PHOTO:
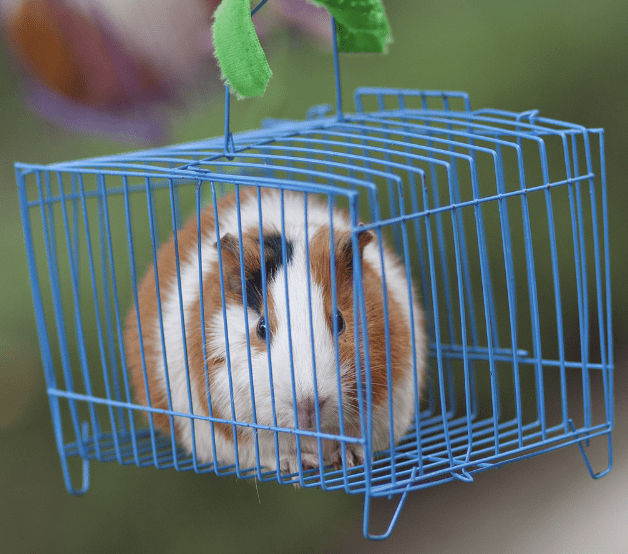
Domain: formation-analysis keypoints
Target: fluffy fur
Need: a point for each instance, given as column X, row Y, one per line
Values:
column 310, row 341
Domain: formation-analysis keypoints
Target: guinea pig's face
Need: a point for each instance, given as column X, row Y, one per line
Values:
column 293, row 323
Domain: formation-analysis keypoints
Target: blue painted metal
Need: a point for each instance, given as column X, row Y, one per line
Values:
column 472, row 200
column 499, row 217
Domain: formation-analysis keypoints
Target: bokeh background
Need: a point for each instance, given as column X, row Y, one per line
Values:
column 566, row 58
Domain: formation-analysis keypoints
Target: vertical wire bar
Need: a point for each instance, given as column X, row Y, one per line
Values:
column 422, row 271
column 226, row 328
column 577, row 224
column 260, row 216
column 186, row 364
column 78, row 320
column 607, row 355
column 430, row 314
column 389, row 383
column 334, row 307
column 117, row 385
column 532, row 286
column 99, row 330
column 446, row 287
column 247, row 334
column 459, row 260
column 319, row 442
column 125, row 370
column 429, row 323
column 284, row 261
column 437, row 331
column 584, row 334
column 199, row 253
column 598, row 274
column 102, row 242
column 413, row 333
column 511, row 287
column 469, row 306
column 361, row 338
column 106, row 254
column 556, row 282
column 488, row 306
column 152, row 220
column 106, row 243
column 75, row 222
column 359, row 285
column 607, row 372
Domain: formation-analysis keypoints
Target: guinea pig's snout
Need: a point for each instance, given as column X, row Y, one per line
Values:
column 306, row 412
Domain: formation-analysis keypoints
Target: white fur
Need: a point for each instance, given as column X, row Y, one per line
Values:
column 173, row 335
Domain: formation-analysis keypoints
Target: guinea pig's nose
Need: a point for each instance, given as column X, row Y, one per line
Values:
column 306, row 412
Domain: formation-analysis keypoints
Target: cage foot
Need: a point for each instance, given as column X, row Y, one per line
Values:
column 586, row 458
column 395, row 517
column 462, row 475
column 85, row 466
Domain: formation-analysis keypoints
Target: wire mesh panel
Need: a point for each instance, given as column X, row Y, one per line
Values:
column 461, row 318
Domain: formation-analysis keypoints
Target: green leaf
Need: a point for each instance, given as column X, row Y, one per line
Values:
column 240, row 55
column 361, row 27
column 356, row 41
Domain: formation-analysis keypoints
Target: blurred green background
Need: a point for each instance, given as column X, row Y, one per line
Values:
column 569, row 60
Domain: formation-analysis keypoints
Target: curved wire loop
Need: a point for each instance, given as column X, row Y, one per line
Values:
column 587, row 462
column 85, row 467
column 395, row 517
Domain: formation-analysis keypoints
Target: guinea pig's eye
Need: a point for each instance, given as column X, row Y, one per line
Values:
column 261, row 328
column 340, row 323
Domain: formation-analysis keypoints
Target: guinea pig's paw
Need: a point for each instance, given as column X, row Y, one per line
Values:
column 354, row 455
column 290, row 464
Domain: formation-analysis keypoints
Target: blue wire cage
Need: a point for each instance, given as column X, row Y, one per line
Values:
column 500, row 217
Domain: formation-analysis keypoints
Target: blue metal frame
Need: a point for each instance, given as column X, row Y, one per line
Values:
column 421, row 172
column 473, row 202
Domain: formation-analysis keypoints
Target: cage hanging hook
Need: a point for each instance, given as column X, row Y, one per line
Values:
column 229, row 144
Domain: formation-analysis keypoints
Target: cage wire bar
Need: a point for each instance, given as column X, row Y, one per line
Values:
column 500, row 218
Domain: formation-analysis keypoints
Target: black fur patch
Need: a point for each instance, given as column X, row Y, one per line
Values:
column 273, row 259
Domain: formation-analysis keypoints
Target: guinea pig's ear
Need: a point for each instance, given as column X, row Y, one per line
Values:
column 344, row 248
column 229, row 244
column 230, row 252
column 364, row 237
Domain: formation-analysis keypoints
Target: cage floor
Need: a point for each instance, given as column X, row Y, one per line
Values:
column 414, row 465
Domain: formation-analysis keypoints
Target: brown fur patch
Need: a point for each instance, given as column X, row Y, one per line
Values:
column 151, row 339
column 400, row 338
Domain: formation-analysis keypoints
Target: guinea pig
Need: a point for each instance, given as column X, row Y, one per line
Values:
column 301, row 355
